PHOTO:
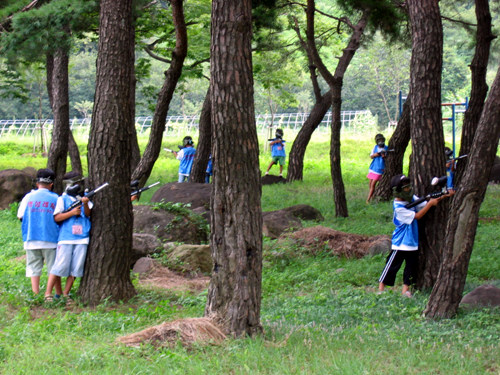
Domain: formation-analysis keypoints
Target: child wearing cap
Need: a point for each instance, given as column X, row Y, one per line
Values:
column 39, row 230
column 377, row 166
column 405, row 236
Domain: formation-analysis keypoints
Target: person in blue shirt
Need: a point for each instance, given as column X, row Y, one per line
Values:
column 209, row 170
column 186, row 157
column 405, row 236
column 72, row 242
column 278, row 153
column 39, row 230
column 450, row 168
column 377, row 165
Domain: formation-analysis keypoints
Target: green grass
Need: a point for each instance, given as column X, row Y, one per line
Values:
column 319, row 313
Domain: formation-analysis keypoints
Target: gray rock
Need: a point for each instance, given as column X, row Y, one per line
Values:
column 191, row 258
column 14, row 185
column 484, row 295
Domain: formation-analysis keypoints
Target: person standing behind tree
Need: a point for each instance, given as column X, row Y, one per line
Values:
column 40, row 231
column 278, row 153
column 186, row 157
column 377, row 165
column 73, row 239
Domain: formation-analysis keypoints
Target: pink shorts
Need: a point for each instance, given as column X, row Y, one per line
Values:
column 374, row 176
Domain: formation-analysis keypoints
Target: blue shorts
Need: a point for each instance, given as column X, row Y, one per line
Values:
column 70, row 260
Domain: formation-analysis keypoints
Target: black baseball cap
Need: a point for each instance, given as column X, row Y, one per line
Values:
column 46, row 176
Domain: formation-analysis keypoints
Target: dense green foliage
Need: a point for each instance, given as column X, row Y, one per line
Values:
column 320, row 313
column 377, row 73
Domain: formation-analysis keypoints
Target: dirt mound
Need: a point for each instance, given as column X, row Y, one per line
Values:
column 185, row 331
column 162, row 277
column 339, row 243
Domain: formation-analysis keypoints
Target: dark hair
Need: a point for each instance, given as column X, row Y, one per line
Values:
column 398, row 181
column 187, row 141
column 379, row 136
column 45, row 176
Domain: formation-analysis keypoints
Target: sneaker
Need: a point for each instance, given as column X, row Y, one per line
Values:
column 267, row 174
column 281, row 175
column 408, row 294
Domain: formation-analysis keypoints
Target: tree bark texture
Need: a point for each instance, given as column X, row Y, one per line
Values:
column 107, row 269
column 461, row 229
column 394, row 160
column 479, row 88
column 234, row 294
column 295, row 170
column 428, row 158
column 74, row 152
column 204, row 146
column 335, row 83
column 59, row 94
column 172, row 75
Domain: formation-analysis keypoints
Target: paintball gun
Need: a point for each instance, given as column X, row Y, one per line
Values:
column 89, row 195
column 138, row 191
column 436, row 181
column 457, row 158
column 169, row 150
column 385, row 152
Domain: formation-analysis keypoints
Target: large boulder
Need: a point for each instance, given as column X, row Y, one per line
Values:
column 167, row 226
column 144, row 244
column 191, row 258
column 275, row 223
column 196, row 194
column 14, row 185
column 270, row 180
column 305, row 212
column 484, row 295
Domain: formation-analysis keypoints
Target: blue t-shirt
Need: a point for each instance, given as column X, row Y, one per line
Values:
column 76, row 229
column 186, row 157
column 38, row 217
column 405, row 235
column 278, row 149
column 377, row 165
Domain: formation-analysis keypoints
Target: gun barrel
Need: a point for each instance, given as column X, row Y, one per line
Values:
column 144, row 189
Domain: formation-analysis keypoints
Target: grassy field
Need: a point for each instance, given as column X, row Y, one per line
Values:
column 319, row 313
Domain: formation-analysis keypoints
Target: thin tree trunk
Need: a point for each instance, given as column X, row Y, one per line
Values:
column 59, row 94
column 335, row 82
column 298, row 150
column 74, row 155
column 234, row 294
column 479, row 88
column 204, row 146
column 107, row 268
column 172, row 75
column 427, row 129
column 461, row 229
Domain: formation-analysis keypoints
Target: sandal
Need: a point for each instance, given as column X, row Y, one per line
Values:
column 49, row 299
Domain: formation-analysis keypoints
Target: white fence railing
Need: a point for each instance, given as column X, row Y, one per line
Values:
column 175, row 125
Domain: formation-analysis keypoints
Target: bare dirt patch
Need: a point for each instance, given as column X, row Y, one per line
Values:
column 162, row 277
column 185, row 331
column 319, row 238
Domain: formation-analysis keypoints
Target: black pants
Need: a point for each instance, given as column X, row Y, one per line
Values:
column 393, row 264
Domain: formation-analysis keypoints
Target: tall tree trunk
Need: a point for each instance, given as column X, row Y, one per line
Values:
column 59, row 94
column 234, row 294
column 298, row 150
column 74, row 154
column 335, row 168
column 394, row 161
column 479, row 88
column 172, row 75
column 335, row 82
column 427, row 129
column 461, row 229
column 107, row 268
column 204, row 146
